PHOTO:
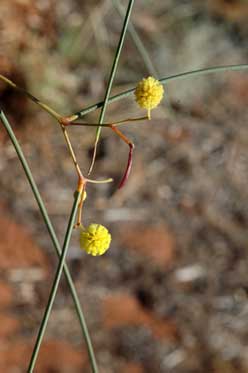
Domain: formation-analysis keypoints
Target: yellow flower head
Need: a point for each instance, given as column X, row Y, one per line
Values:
column 149, row 92
column 95, row 239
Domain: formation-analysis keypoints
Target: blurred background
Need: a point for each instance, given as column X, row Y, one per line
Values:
column 171, row 293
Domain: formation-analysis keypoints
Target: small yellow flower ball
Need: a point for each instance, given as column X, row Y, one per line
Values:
column 95, row 239
column 149, row 92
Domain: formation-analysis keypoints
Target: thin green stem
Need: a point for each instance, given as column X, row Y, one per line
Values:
column 111, row 79
column 53, row 237
column 118, row 123
column 188, row 74
column 55, row 284
column 137, row 41
column 37, row 101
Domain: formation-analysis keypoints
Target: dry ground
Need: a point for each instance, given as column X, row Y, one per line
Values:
column 171, row 293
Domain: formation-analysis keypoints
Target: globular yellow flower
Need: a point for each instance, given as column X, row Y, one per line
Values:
column 95, row 239
column 149, row 92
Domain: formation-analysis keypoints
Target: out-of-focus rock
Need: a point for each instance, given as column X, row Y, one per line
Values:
column 156, row 243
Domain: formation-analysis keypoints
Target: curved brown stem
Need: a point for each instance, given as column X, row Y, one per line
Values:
column 128, row 167
column 130, row 155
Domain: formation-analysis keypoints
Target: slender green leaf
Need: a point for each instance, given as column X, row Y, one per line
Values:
column 137, row 41
column 188, row 74
column 53, row 237
column 111, row 77
column 55, row 285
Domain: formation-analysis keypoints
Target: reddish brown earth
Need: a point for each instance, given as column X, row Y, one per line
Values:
column 17, row 248
column 120, row 310
column 55, row 356
column 6, row 295
column 8, row 326
column 156, row 243
column 132, row 368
